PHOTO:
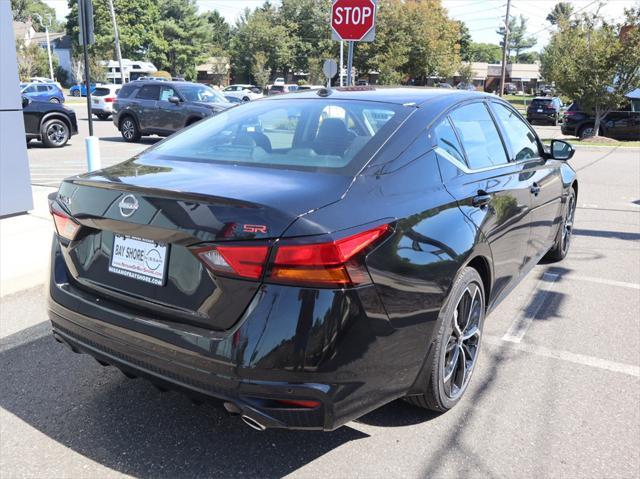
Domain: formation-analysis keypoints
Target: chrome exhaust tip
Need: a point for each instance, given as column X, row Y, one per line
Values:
column 252, row 423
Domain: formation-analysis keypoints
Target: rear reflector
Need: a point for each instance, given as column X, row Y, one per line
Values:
column 65, row 226
column 299, row 403
column 233, row 260
column 325, row 264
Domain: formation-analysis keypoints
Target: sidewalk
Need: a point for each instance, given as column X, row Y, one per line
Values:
column 25, row 245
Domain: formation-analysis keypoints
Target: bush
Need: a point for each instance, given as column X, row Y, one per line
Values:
column 162, row 74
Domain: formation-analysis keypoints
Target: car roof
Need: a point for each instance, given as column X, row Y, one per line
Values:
column 397, row 95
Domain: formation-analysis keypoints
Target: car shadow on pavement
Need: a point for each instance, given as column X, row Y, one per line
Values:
column 145, row 140
column 131, row 427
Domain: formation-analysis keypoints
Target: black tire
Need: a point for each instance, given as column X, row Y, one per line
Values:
column 129, row 129
column 585, row 131
column 54, row 133
column 561, row 246
column 53, row 99
column 103, row 116
column 75, row 93
column 554, row 122
column 246, row 98
column 466, row 299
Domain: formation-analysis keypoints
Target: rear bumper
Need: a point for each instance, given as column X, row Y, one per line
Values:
column 541, row 117
column 335, row 347
column 107, row 108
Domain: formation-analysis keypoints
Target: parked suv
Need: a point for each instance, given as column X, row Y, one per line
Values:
column 545, row 109
column 623, row 124
column 51, row 123
column 102, row 99
column 42, row 92
column 149, row 107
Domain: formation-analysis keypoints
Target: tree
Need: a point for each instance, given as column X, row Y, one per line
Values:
column 518, row 41
column 32, row 60
column 97, row 72
column 485, row 52
column 23, row 10
column 260, row 71
column 595, row 62
column 561, row 13
column 138, row 25
column 220, row 32
column 184, row 38
column 466, row 73
column 464, row 41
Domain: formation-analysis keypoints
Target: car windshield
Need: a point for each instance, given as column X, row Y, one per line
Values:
column 315, row 134
column 201, row 93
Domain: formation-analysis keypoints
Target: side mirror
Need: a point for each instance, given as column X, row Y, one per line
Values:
column 25, row 101
column 174, row 99
column 561, row 150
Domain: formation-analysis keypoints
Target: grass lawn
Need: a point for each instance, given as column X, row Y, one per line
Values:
column 519, row 101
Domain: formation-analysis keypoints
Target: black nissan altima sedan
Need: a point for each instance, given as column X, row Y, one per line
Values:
column 310, row 257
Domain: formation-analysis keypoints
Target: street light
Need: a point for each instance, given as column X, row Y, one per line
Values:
column 46, row 29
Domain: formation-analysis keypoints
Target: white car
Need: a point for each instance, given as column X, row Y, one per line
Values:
column 243, row 92
column 102, row 100
column 279, row 81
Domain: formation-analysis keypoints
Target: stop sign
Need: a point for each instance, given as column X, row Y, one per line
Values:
column 353, row 20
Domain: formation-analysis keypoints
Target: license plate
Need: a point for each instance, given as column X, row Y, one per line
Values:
column 96, row 101
column 540, row 110
column 139, row 258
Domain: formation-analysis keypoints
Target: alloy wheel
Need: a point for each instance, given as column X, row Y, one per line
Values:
column 57, row 133
column 128, row 129
column 54, row 100
column 463, row 345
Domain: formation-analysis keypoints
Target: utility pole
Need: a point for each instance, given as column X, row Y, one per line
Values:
column 341, row 61
column 504, row 49
column 46, row 29
column 117, row 38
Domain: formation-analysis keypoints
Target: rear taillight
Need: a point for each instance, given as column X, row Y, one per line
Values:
column 66, row 227
column 242, row 261
column 109, row 99
column 334, row 263
column 337, row 263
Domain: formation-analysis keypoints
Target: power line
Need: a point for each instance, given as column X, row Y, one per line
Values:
column 574, row 13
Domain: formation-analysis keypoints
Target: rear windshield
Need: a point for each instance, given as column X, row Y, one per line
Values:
column 277, row 88
column 103, row 91
column 310, row 134
column 541, row 102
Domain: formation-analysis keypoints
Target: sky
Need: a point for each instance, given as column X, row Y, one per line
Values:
column 482, row 17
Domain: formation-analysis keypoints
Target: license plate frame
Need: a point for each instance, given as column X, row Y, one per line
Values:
column 140, row 259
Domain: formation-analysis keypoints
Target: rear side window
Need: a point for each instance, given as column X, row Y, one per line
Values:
column 149, row 92
column 521, row 139
column 447, row 140
column 315, row 134
column 127, row 90
column 479, row 136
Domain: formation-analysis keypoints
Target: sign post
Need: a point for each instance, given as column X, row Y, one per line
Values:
column 353, row 21
column 85, row 12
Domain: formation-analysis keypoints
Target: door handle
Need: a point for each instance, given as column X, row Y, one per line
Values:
column 481, row 199
column 535, row 189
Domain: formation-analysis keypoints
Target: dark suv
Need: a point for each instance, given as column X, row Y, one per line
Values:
column 51, row 123
column 623, row 124
column 150, row 107
column 544, row 109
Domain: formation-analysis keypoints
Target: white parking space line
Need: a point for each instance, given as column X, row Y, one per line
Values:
column 536, row 300
column 610, row 282
column 623, row 368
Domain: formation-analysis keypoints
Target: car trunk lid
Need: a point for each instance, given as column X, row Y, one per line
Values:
column 175, row 208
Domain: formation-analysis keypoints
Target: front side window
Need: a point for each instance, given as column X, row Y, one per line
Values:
column 479, row 136
column 298, row 134
column 201, row 93
column 447, row 140
column 149, row 92
column 43, row 88
column 166, row 93
column 522, row 141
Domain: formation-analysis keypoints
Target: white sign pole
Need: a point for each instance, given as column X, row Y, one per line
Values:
column 341, row 61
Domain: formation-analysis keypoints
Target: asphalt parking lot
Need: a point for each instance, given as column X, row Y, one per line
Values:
column 556, row 392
